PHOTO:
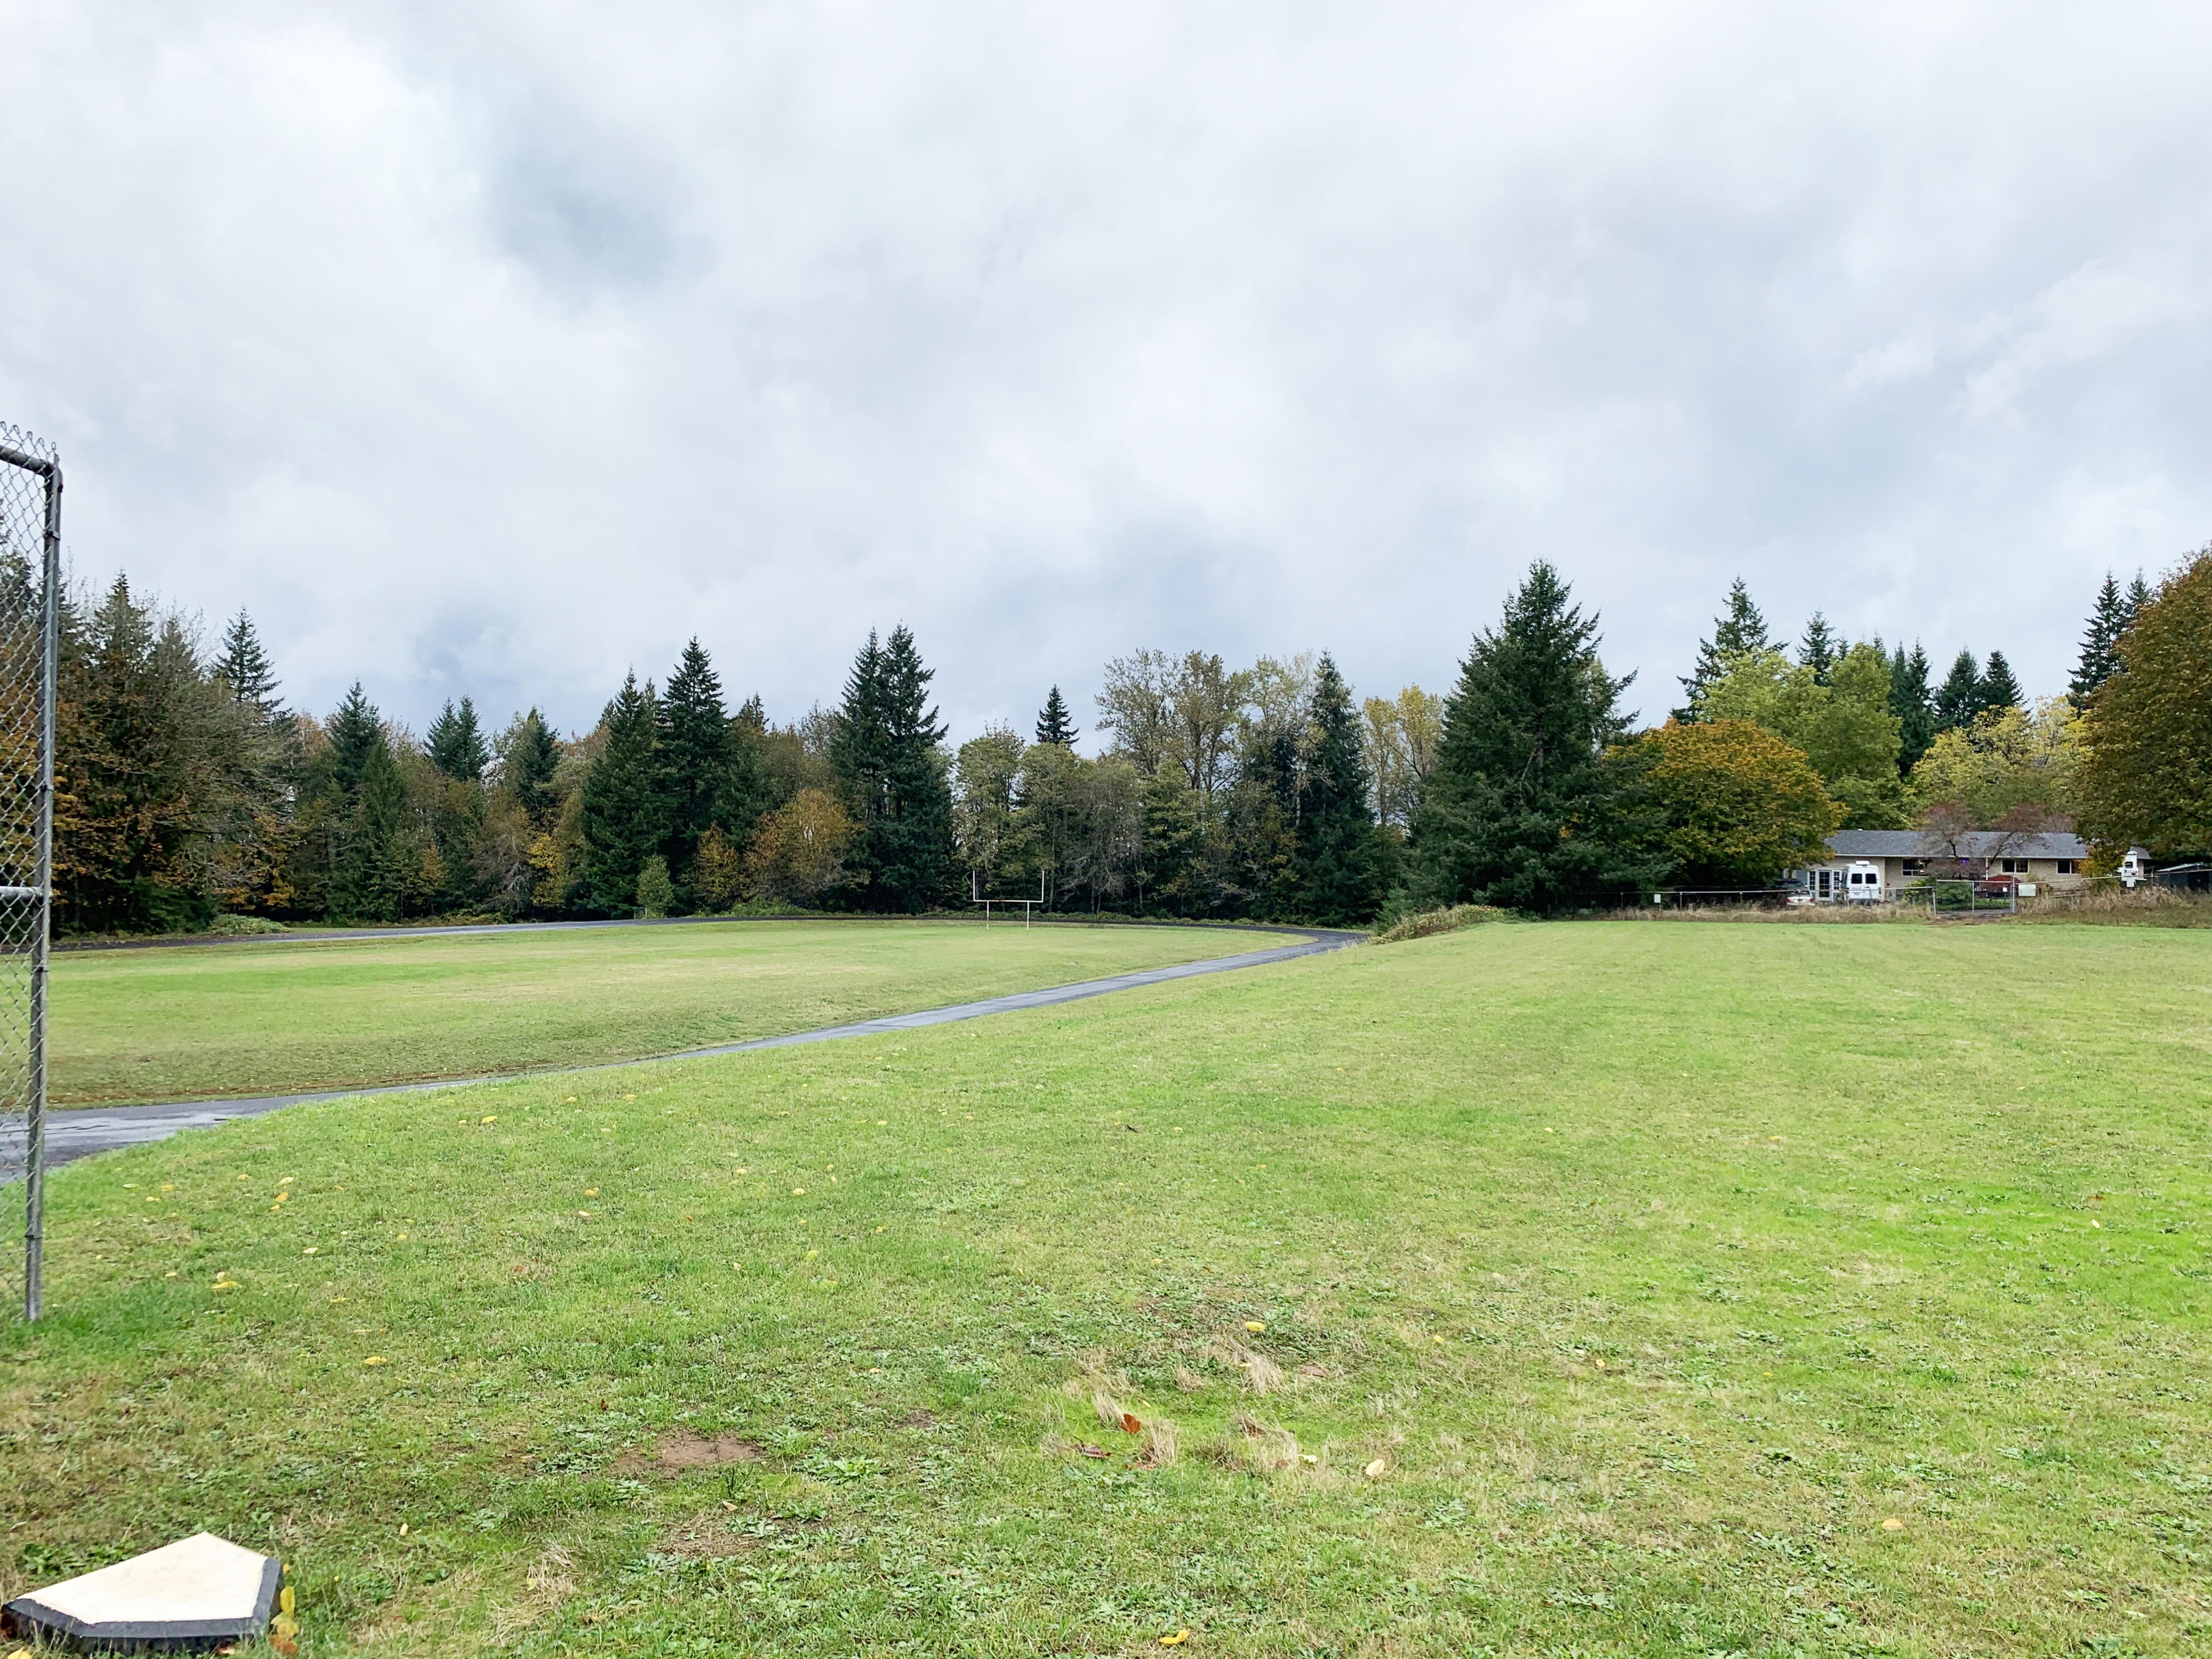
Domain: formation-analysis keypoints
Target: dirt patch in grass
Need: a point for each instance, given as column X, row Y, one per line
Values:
column 684, row 1450
column 709, row 1534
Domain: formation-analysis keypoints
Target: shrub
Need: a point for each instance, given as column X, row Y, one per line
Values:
column 1422, row 923
column 245, row 925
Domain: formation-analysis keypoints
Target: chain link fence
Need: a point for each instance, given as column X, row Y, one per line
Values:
column 30, row 549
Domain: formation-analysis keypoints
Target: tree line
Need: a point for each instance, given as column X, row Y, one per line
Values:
column 188, row 789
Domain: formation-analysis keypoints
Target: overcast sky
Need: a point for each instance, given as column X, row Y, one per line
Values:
column 496, row 348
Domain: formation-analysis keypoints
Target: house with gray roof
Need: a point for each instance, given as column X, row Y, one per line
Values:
column 1871, row 865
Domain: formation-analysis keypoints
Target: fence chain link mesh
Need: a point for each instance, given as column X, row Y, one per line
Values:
column 30, row 486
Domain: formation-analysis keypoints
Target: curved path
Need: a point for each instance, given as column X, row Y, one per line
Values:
column 79, row 1132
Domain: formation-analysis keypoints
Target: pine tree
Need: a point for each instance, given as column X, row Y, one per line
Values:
column 2100, row 642
column 857, row 743
column 1913, row 702
column 1521, row 809
column 356, row 730
column 885, row 752
column 372, row 881
column 909, row 847
column 2147, row 776
column 1959, row 699
column 1819, row 649
column 625, row 808
column 1336, row 862
column 529, row 758
column 696, row 751
column 1996, row 689
column 1742, row 631
column 2138, row 596
column 455, row 743
column 1054, row 724
column 1172, row 845
column 245, row 667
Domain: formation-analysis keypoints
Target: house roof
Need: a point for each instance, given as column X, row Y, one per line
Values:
column 1973, row 844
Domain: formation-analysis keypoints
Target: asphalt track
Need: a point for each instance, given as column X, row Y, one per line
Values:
column 80, row 1131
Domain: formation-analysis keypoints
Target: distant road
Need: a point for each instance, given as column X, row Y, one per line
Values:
column 79, row 1132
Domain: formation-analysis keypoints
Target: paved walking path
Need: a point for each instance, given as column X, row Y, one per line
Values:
column 79, row 1132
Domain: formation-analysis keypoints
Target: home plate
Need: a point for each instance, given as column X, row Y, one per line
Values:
column 192, row 1594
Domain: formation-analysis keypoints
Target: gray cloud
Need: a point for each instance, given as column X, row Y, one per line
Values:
column 502, row 352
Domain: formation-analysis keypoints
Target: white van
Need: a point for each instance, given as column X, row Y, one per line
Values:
column 1863, row 884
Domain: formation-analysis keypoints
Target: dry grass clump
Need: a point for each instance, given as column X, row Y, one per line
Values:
column 1102, row 1391
column 550, row 1583
column 1157, row 1446
column 1422, row 923
column 2113, row 906
column 1255, row 1447
column 1264, row 1375
column 1816, row 915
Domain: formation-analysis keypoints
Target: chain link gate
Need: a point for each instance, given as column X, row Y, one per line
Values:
column 30, row 595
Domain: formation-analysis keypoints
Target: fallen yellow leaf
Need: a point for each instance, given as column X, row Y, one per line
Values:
column 375, row 1360
column 798, row 1192
column 1374, row 1470
column 1893, row 1525
column 1175, row 1640
column 494, row 1118
column 1254, row 1325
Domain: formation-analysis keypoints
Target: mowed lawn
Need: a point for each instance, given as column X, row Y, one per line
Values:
column 276, row 1016
column 1600, row 1288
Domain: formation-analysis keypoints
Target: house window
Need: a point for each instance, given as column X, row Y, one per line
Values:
column 2014, row 867
column 2066, row 866
column 1915, row 866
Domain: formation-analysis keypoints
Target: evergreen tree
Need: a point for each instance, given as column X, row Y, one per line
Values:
column 373, row 878
column 1053, row 724
column 245, row 667
column 1996, row 689
column 1740, row 632
column 455, row 743
column 2138, row 596
column 857, row 744
column 356, row 731
column 1959, row 699
column 2100, row 642
column 624, row 805
column 1819, row 649
column 529, row 758
column 137, row 775
column 2146, row 778
column 908, row 844
column 1522, row 810
column 697, row 748
column 1336, row 860
column 1171, row 845
column 1913, row 701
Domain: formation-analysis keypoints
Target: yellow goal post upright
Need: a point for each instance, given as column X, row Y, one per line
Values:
column 30, row 619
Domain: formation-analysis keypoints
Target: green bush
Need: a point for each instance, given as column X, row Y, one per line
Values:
column 244, row 925
column 1422, row 923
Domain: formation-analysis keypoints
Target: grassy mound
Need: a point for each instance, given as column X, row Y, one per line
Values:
column 1590, row 1288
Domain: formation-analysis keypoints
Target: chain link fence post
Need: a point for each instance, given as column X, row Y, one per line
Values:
column 30, row 617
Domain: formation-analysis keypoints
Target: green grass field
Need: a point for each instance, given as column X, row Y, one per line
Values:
column 274, row 1017
column 1577, row 1289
